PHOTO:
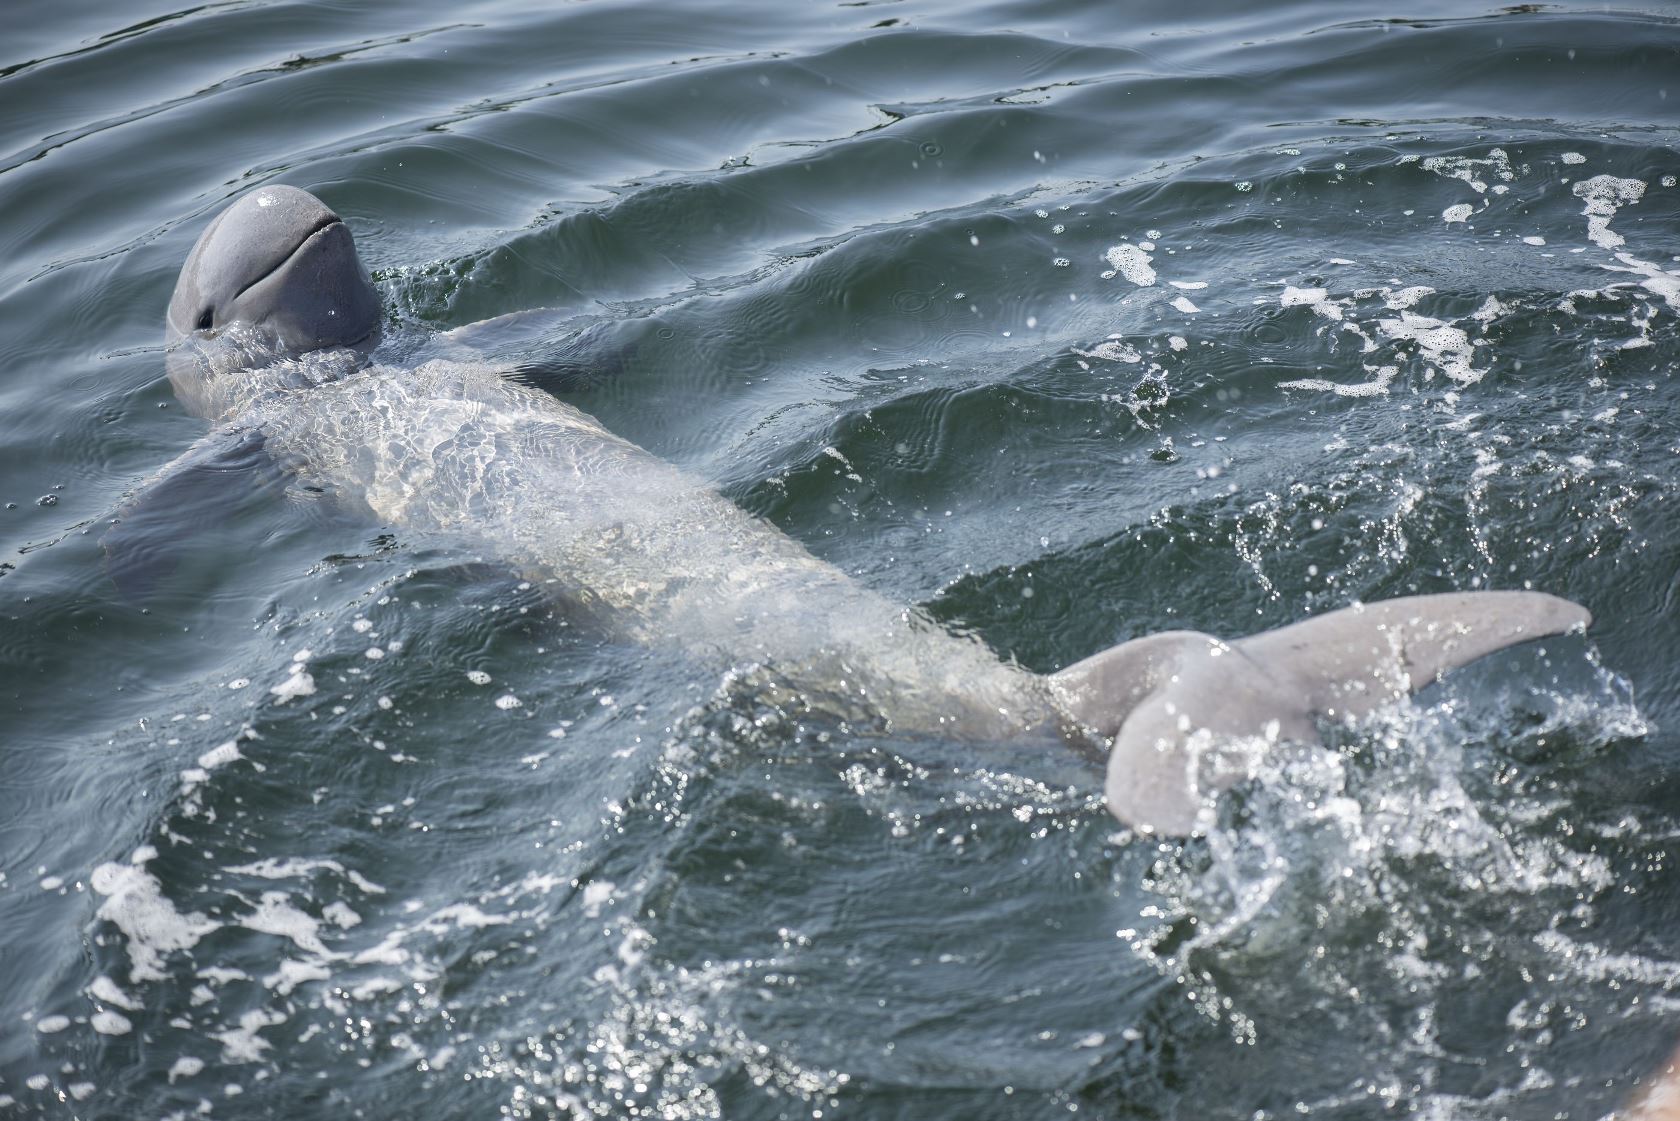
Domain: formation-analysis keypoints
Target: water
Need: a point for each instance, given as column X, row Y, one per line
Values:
column 1068, row 321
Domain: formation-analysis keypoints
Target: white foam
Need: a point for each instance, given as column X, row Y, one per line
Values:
column 1490, row 310
column 111, row 1023
column 340, row 915
column 389, row 951
column 1316, row 298
column 220, row 756
column 292, row 973
column 595, row 895
column 1657, row 281
column 1472, row 171
column 1189, row 285
column 1603, row 196
column 276, row 915
column 52, row 1025
column 1534, row 239
column 299, row 684
column 1596, row 963
column 1182, row 303
column 1112, row 350
column 630, row 950
column 243, row 1044
column 376, row 986
column 153, row 927
column 1406, row 297
column 466, row 915
column 362, row 882
column 185, row 1067
column 107, row 991
column 272, row 868
column 1459, row 213
column 1573, row 157
column 1132, row 263
column 1445, row 347
column 478, row 677
column 1372, row 388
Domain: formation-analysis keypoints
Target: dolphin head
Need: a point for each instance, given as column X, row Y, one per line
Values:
column 282, row 263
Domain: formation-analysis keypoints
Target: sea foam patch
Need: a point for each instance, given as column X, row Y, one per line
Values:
column 1603, row 196
column 1475, row 172
column 154, row 929
column 1131, row 262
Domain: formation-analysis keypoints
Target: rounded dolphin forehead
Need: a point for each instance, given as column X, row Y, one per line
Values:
column 253, row 236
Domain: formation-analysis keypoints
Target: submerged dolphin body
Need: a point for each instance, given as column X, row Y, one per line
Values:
column 274, row 312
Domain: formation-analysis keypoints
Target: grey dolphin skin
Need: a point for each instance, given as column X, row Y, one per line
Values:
column 272, row 321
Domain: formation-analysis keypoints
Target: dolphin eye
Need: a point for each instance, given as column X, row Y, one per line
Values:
column 205, row 320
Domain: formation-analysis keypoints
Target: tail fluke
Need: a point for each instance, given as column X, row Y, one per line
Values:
column 1351, row 661
column 1182, row 710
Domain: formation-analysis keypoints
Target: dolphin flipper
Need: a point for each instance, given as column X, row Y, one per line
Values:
column 1172, row 704
column 165, row 515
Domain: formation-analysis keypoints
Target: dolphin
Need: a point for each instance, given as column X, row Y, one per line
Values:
column 272, row 324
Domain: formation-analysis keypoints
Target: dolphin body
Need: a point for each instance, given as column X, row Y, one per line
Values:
column 272, row 319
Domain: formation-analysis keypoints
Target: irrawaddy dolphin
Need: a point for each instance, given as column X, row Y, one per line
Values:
column 273, row 320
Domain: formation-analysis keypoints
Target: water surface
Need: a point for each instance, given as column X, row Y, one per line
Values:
column 1068, row 321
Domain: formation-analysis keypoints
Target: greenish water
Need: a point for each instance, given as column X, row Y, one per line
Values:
column 1068, row 321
